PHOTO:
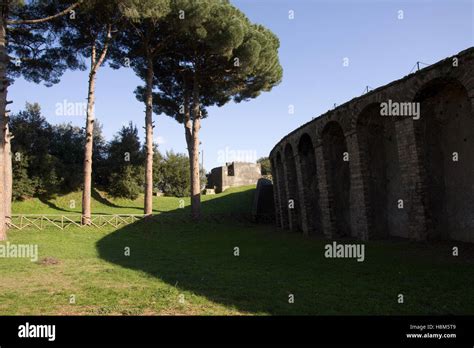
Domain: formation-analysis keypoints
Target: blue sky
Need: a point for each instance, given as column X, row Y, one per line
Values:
column 379, row 46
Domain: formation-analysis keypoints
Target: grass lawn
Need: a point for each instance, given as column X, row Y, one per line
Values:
column 177, row 267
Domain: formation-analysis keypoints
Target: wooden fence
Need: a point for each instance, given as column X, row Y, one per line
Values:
column 41, row 221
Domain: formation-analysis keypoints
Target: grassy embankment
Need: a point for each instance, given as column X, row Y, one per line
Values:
column 179, row 267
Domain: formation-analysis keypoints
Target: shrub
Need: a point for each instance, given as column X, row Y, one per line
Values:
column 126, row 184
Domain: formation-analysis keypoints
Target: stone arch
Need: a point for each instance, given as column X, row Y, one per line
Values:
column 292, row 184
column 444, row 131
column 309, row 176
column 381, row 171
column 338, row 178
column 366, row 101
column 282, row 191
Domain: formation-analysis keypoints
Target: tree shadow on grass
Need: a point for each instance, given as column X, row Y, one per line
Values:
column 45, row 200
column 103, row 200
column 99, row 197
column 200, row 257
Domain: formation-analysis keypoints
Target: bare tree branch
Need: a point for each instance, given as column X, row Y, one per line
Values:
column 46, row 19
column 105, row 48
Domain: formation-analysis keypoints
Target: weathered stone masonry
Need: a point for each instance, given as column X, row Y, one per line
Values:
column 354, row 173
column 233, row 174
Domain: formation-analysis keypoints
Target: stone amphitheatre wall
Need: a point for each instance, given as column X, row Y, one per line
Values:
column 353, row 172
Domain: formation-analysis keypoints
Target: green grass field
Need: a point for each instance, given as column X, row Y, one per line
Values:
column 177, row 267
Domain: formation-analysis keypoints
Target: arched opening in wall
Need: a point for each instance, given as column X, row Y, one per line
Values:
column 292, row 182
column 381, row 168
column 282, row 190
column 338, row 177
column 310, row 181
column 445, row 135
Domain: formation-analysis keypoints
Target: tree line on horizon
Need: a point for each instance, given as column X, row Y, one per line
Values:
column 190, row 55
column 47, row 160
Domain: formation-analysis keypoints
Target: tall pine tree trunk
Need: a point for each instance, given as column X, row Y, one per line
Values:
column 195, row 172
column 148, row 209
column 8, row 176
column 88, row 148
column 3, row 116
column 188, row 134
column 90, row 120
